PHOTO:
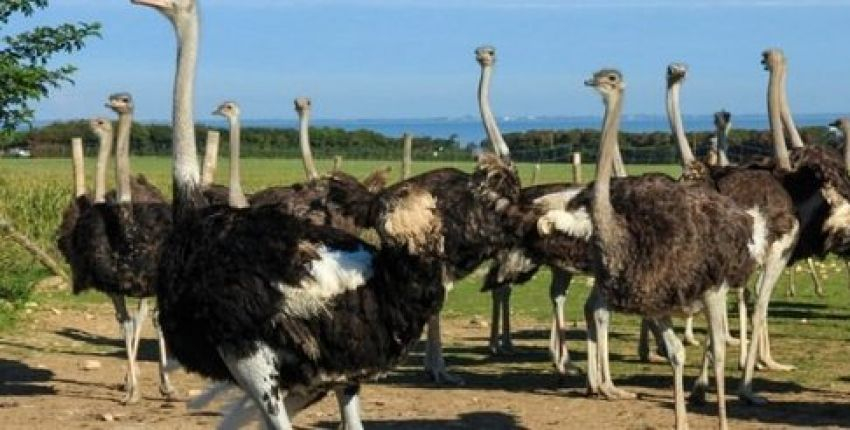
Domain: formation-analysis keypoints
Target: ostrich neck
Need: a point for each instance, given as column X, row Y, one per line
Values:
column 846, row 131
column 674, row 114
column 723, row 146
column 78, row 165
column 492, row 129
column 236, row 198
column 603, row 212
column 306, row 152
column 186, row 171
column 787, row 119
column 103, row 152
column 122, row 157
column 210, row 158
column 774, row 101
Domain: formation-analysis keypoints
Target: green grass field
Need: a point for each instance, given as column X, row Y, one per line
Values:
column 34, row 192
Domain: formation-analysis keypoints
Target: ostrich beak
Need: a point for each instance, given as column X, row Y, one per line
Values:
column 151, row 3
column 590, row 83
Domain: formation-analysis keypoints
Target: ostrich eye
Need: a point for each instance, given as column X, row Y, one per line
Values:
column 612, row 78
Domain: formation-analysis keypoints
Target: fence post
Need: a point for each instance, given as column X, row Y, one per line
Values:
column 535, row 173
column 577, row 168
column 407, row 157
column 337, row 163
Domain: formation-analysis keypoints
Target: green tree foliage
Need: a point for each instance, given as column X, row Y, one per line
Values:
column 25, row 75
column 155, row 139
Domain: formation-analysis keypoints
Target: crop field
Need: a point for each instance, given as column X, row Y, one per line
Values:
column 47, row 335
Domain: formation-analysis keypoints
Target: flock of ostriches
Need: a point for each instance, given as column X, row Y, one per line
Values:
column 275, row 293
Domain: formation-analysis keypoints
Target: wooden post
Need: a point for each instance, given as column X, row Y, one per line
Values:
column 407, row 157
column 41, row 255
column 577, row 168
column 534, row 174
column 337, row 163
column 210, row 158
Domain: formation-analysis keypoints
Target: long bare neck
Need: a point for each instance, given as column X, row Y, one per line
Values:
column 787, row 119
column 186, row 171
column 122, row 158
column 407, row 157
column 619, row 164
column 210, row 158
column 490, row 126
column 774, row 103
column 723, row 145
column 78, row 165
column 304, row 139
column 846, row 130
column 674, row 115
column 603, row 212
column 103, row 153
column 236, row 198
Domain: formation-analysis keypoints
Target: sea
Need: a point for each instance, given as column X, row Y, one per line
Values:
column 468, row 130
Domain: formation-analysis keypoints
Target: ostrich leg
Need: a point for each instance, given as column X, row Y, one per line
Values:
column 349, row 405
column 435, row 364
column 775, row 261
column 500, row 340
column 815, row 278
column 132, row 394
column 791, row 290
column 265, row 392
column 598, row 370
column 676, row 355
column 645, row 355
column 558, row 349
column 165, row 387
column 689, row 331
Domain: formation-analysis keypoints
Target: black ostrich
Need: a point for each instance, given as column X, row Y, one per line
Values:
column 638, row 223
column 114, row 244
column 286, row 309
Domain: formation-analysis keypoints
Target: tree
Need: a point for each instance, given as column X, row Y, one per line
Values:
column 25, row 75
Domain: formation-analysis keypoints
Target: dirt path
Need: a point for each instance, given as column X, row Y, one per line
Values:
column 43, row 385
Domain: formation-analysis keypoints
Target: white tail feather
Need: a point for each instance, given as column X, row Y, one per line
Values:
column 574, row 223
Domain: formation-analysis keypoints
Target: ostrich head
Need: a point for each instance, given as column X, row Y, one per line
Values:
column 485, row 55
column 177, row 11
column 303, row 104
column 121, row 103
column 607, row 82
column 227, row 109
column 409, row 218
column 676, row 73
column 772, row 58
column 101, row 127
column 722, row 120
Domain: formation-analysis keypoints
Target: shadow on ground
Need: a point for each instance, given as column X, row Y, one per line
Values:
column 18, row 379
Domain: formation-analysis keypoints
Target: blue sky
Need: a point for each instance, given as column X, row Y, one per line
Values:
column 413, row 58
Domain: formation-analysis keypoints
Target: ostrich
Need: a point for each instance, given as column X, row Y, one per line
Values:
column 286, row 309
column 142, row 221
column 756, row 190
column 232, row 194
column 717, row 243
column 565, row 253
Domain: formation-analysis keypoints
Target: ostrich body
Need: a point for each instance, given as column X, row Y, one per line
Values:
column 637, row 224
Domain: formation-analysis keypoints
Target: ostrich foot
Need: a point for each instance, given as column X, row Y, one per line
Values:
column 653, row 357
column 690, row 340
column 502, row 348
column 751, row 398
column 170, row 394
column 771, row 365
column 732, row 341
column 132, row 396
column 611, row 392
